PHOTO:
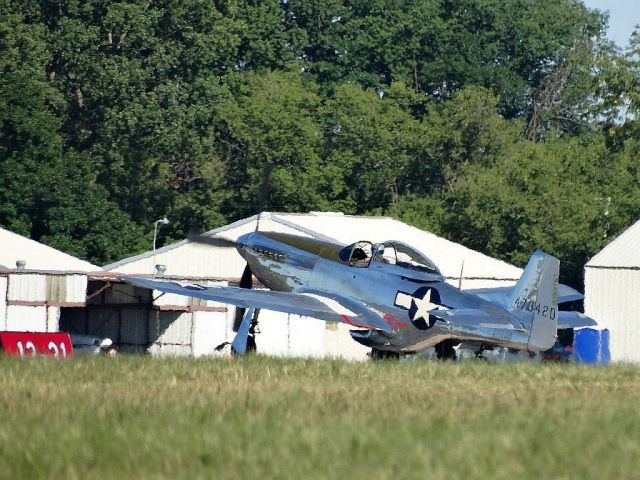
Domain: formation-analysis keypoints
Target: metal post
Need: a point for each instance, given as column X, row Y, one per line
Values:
column 163, row 221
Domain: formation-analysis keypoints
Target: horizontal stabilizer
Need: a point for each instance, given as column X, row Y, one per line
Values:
column 574, row 320
column 500, row 295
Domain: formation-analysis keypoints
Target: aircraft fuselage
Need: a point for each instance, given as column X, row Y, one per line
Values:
column 402, row 296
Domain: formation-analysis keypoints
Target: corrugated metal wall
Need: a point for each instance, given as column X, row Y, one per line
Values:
column 211, row 329
column 66, row 288
column 104, row 322
column 52, row 288
column 27, row 287
column 286, row 335
column 40, row 287
column 133, row 326
column 306, row 337
column 273, row 337
column 186, row 333
column 294, row 336
column 168, row 326
column 119, row 312
column 3, row 303
column 31, row 301
column 25, row 318
column 53, row 319
column 611, row 298
column 191, row 260
column 339, row 344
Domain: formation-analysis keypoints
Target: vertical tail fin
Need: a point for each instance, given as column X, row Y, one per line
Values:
column 535, row 298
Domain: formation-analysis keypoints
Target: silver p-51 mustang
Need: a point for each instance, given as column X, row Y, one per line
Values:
column 395, row 297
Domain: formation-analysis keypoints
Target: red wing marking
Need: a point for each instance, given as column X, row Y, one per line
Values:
column 393, row 321
column 348, row 320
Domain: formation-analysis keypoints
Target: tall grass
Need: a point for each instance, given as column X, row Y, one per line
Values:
column 256, row 417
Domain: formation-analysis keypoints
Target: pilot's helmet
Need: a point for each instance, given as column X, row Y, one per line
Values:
column 358, row 254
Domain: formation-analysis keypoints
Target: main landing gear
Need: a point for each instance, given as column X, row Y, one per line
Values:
column 383, row 355
column 445, row 350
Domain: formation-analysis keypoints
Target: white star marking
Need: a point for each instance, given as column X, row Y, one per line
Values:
column 424, row 305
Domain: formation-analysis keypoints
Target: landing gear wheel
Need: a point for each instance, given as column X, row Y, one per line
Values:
column 251, row 344
column 383, row 355
column 445, row 350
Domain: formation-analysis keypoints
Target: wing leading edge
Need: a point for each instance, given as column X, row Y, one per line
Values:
column 319, row 304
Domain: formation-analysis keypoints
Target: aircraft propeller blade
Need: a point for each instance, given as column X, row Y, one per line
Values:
column 246, row 281
column 215, row 241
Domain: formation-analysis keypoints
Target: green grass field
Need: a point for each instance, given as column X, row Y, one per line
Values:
column 133, row 417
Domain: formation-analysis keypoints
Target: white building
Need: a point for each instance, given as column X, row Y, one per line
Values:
column 36, row 282
column 176, row 325
column 612, row 283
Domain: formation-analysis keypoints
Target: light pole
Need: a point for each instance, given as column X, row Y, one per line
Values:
column 163, row 221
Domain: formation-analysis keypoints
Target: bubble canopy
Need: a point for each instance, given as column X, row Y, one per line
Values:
column 390, row 252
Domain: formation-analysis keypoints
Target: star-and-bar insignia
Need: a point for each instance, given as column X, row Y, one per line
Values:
column 420, row 304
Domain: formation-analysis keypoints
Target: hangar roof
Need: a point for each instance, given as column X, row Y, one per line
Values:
column 623, row 252
column 37, row 255
column 447, row 255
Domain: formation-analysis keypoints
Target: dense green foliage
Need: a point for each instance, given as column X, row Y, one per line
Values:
column 508, row 125
column 255, row 417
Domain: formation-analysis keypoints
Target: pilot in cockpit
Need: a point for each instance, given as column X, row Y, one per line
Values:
column 359, row 257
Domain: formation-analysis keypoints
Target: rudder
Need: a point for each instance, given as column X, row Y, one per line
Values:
column 535, row 298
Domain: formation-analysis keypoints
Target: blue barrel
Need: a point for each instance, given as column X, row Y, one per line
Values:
column 591, row 346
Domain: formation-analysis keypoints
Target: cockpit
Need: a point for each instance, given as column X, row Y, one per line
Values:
column 357, row 254
column 364, row 253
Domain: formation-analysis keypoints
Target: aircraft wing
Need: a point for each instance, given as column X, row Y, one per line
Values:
column 314, row 303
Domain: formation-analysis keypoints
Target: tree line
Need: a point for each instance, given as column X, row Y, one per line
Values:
column 506, row 125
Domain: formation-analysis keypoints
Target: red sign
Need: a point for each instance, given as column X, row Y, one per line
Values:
column 30, row 344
